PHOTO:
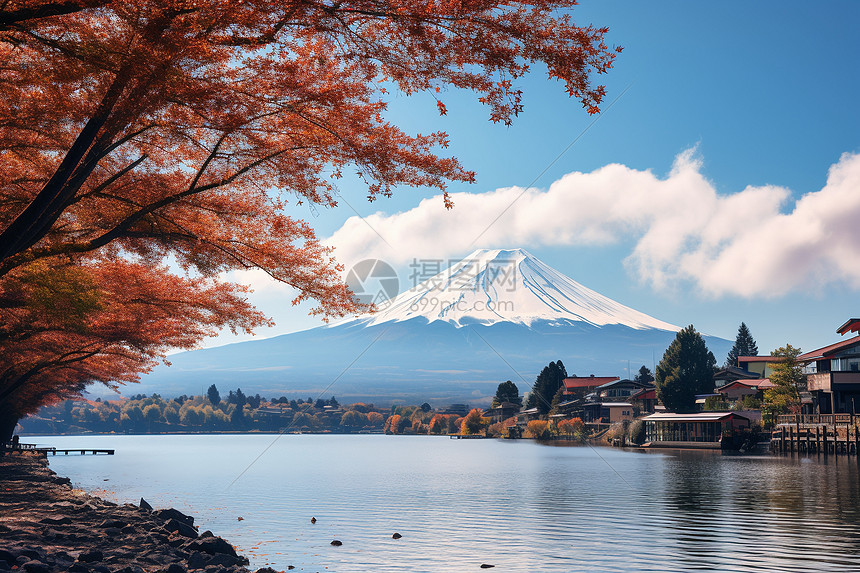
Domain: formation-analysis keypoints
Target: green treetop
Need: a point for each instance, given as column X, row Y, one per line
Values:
column 687, row 369
column 789, row 380
column 744, row 346
column 546, row 385
column 507, row 392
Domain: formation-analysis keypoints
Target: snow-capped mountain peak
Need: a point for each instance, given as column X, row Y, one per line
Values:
column 507, row 285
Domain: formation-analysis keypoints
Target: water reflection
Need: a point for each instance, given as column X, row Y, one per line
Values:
column 520, row 506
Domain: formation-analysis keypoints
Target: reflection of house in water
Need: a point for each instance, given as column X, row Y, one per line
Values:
column 833, row 374
column 705, row 430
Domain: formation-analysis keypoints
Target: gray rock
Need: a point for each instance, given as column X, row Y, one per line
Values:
column 337, row 542
column 7, row 556
column 36, row 567
column 197, row 560
column 174, row 568
column 174, row 525
column 145, row 505
column 223, row 560
column 32, row 554
column 171, row 513
column 211, row 545
column 56, row 520
column 91, row 556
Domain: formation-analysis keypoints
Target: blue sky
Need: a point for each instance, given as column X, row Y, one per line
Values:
column 717, row 109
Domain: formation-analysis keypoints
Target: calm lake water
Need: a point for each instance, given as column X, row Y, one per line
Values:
column 460, row 503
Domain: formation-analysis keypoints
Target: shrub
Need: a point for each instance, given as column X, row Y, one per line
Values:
column 474, row 423
column 573, row 428
column 636, row 432
column 538, row 429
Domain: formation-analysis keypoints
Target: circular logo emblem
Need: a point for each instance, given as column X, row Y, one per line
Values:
column 373, row 282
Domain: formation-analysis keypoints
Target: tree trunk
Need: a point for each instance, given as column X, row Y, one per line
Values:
column 8, row 422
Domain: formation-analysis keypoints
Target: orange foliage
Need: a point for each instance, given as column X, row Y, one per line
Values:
column 66, row 325
column 150, row 130
column 437, row 424
column 392, row 424
column 474, row 422
column 538, row 429
column 572, row 427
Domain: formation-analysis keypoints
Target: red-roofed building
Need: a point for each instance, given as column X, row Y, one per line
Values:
column 645, row 400
column 851, row 325
column 579, row 386
column 740, row 388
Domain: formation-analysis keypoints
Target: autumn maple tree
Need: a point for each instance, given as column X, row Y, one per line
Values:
column 185, row 131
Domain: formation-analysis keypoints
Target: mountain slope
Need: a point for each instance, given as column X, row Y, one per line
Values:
column 509, row 285
column 496, row 316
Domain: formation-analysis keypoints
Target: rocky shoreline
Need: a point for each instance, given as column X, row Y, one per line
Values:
column 47, row 526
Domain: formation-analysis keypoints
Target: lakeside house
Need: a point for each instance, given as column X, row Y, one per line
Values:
column 704, row 430
column 607, row 412
column 618, row 390
column 502, row 412
column 759, row 366
column 729, row 374
column 833, row 373
column 645, row 400
column 744, row 387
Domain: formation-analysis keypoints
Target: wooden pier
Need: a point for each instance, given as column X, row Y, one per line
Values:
column 21, row 448
column 828, row 434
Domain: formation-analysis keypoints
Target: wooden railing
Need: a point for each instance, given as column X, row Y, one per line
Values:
column 818, row 419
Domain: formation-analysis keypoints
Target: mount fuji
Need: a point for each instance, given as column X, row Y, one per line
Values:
column 496, row 315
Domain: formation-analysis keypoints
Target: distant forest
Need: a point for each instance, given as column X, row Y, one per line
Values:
column 237, row 412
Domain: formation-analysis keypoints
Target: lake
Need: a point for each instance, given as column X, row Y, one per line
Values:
column 520, row 506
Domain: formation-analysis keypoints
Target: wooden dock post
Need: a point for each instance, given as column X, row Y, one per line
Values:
column 856, row 442
column 824, row 439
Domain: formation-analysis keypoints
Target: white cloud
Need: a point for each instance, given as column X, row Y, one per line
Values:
column 752, row 243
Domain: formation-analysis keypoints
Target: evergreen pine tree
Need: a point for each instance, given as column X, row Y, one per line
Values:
column 213, row 395
column 237, row 418
column 507, row 392
column 546, row 385
column 687, row 369
column 644, row 376
column 744, row 346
